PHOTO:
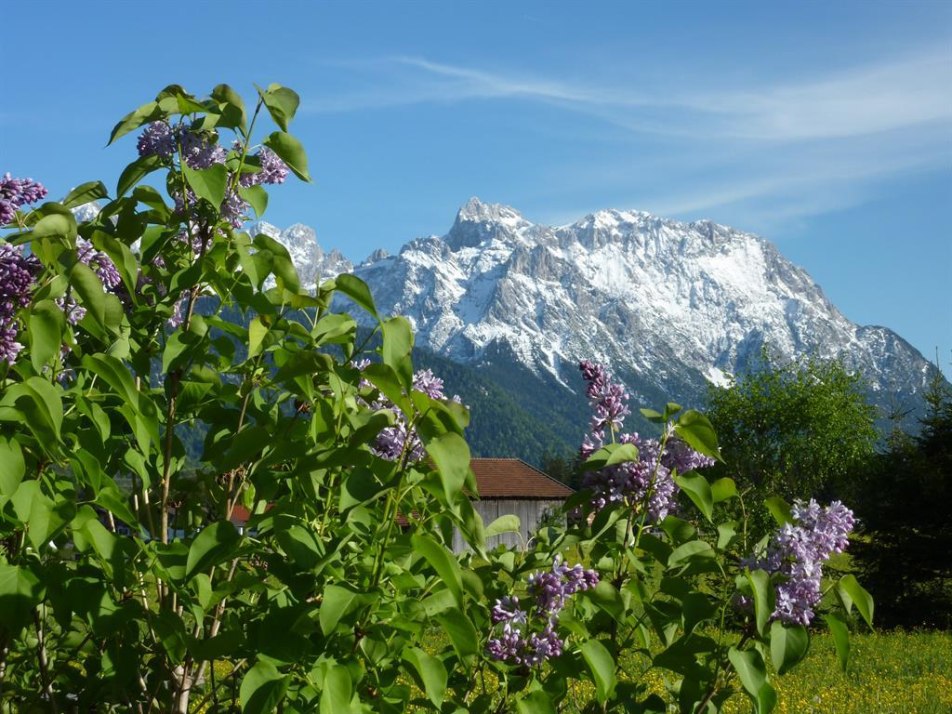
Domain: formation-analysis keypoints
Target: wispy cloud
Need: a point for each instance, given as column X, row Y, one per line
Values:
column 813, row 143
column 881, row 96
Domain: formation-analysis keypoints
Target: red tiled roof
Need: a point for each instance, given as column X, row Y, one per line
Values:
column 514, row 478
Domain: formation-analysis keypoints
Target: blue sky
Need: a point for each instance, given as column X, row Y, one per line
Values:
column 824, row 127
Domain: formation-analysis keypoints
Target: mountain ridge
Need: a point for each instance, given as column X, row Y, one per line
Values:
column 667, row 305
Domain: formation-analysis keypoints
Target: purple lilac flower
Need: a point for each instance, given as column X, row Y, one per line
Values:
column 99, row 262
column 15, row 192
column 18, row 273
column 609, row 399
column 200, row 150
column 393, row 441
column 798, row 551
column 647, row 483
column 157, row 139
column 529, row 637
column 273, row 170
column 9, row 347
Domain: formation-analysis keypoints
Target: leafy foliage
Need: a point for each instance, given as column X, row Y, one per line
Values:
column 797, row 430
column 903, row 499
column 124, row 580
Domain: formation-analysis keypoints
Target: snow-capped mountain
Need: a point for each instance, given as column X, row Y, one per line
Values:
column 667, row 305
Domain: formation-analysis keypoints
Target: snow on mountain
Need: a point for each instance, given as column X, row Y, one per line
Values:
column 667, row 304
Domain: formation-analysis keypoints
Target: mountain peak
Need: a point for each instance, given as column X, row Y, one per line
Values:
column 476, row 221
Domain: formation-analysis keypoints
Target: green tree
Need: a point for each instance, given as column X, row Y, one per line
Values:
column 902, row 501
column 799, row 430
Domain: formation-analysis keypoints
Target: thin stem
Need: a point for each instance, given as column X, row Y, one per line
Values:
column 43, row 662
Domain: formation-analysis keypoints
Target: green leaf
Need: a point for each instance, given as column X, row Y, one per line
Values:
column 257, row 198
column 841, row 639
column 133, row 120
column 256, row 334
column 210, row 184
column 442, row 561
column 602, row 666
column 338, row 690
column 55, row 225
column 696, row 431
column 20, row 591
column 397, row 347
column 723, row 489
column 282, row 103
column 750, row 667
column 606, row 597
column 461, row 632
column 692, row 550
column 85, row 193
column 90, row 290
column 262, row 688
column 779, row 509
column 699, row 491
column 430, row 673
column 726, row 532
column 450, row 454
column 136, row 171
column 536, row 702
column 508, row 523
column 338, row 601
column 215, row 544
column 225, row 95
column 788, row 645
column 611, row 455
column 852, row 593
column 290, row 151
column 282, row 265
column 12, row 467
column 357, row 290
column 764, row 596
column 41, row 405
column 47, row 324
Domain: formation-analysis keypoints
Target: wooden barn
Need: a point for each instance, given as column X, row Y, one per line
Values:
column 513, row 486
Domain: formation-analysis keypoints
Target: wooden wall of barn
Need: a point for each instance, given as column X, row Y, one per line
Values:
column 530, row 512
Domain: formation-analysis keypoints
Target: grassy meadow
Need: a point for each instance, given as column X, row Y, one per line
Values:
column 889, row 673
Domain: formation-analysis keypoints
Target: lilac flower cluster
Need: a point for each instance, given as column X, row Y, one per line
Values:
column 395, row 441
column 609, row 399
column 273, row 169
column 798, row 551
column 16, row 192
column 200, row 150
column 18, row 273
column 528, row 637
column 647, row 483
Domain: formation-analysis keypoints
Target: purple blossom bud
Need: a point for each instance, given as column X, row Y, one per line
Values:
column 156, row 140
